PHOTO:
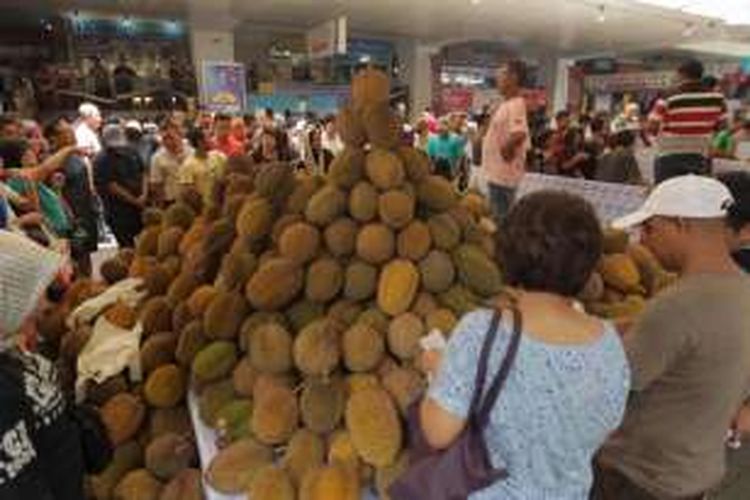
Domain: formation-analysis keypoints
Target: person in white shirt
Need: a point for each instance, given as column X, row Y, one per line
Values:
column 164, row 175
column 330, row 137
column 87, row 129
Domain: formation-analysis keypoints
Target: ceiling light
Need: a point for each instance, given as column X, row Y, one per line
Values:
column 476, row 2
column 602, row 17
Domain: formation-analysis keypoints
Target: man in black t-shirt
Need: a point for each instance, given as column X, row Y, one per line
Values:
column 118, row 172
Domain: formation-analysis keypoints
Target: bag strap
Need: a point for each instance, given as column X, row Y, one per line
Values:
column 483, row 415
column 481, row 375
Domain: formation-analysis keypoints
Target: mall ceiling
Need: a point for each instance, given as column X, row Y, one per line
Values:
column 567, row 26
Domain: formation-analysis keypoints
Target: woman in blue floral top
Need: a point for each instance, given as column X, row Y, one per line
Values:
column 568, row 386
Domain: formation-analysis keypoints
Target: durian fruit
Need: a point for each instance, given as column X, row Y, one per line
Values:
column 169, row 454
column 165, row 387
column 212, row 398
column 363, row 202
column 122, row 416
column 376, row 319
column 185, row 485
column 214, row 361
column 424, row 304
column 441, row 319
column 437, row 272
column 121, row 315
column 179, row 215
column 304, row 312
column 244, row 376
column 347, row 168
column 384, row 169
column 139, row 484
column 324, row 280
column 341, row 448
column 156, row 316
column 158, row 350
column 169, row 420
column 381, row 125
column 181, row 288
column 363, row 348
column 224, row 316
column 255, row 219
column 316, row 348
column 275, row 415
column 360, row 280
column 236, row 269
column 157, row 280
column 306, row 451
column 436, row 193
column 396, row 208
column 444, row 231
column 630, row 307
column 405, row 385
column 344, row 312
column 270, row 349
column 341, row 237
column 404, row 334
column 370, row 87
column 615, row 241
column 99, row 393
column 621, row 273
column 322, row 404
column 374, row 425
column 125, row 458
column 300, row 242
column 232, row 421
column 477, row 271
column 233, row 469
column 460, row 300
column 272, row 483
column 300, row 196
column 397, row 286
column 275, row 285
column 147, row 243
column 350, row 127
column 332, row 482
column 169, row 242
column 654, row 277
column 200, row 299
column 376, row 244
column 326, row 205
column 414, row 241
column 190, row 342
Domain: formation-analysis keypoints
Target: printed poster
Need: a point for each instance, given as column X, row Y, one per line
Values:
column 223, row 87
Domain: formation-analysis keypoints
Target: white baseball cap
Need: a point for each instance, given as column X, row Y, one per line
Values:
column 688, row 196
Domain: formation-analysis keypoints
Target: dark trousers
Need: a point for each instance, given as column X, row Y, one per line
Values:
column 611, row 484
column 501, row 199
column 669, row 166
column 125, row 225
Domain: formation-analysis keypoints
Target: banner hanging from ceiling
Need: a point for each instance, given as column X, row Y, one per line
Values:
column 223, row 87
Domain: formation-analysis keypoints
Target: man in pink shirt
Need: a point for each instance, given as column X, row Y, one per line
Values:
column 507, row 141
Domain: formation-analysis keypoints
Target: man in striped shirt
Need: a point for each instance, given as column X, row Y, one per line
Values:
column 688, row 121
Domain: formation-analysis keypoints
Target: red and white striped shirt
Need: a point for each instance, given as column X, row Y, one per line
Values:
column 689, row 121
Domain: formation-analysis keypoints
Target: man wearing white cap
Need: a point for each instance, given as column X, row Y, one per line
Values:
column 87, row 129
column 689, row 352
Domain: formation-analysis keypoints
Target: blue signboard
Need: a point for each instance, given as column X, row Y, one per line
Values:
column 223, row 87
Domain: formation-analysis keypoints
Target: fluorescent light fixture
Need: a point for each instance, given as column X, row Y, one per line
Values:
column 735, row 12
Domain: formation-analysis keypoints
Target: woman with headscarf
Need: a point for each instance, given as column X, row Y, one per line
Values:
column 40, row 446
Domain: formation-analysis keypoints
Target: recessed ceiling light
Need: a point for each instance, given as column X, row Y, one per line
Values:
column 475, row 2
column 602, row 17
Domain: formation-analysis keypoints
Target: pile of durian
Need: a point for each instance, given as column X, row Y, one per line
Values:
column 293, row 306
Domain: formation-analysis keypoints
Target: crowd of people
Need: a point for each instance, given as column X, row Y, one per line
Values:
column 76, row 179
